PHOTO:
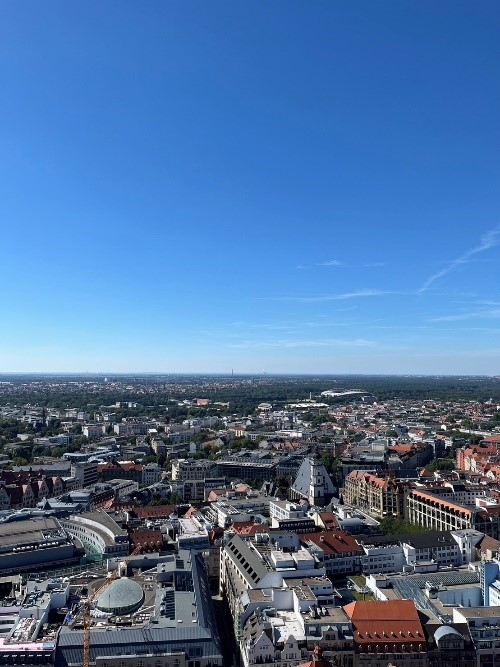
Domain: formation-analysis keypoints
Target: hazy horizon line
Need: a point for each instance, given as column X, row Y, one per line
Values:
column 239, row 374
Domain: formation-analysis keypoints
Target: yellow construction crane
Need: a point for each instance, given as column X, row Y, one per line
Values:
column 88, row 604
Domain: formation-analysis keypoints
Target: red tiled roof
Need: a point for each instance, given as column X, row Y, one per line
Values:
column 215, row 493
column 242, row 488
column 215, row 534
column 388, row 622
column 318, row 660
column 329, row 520
column 370, row 479
column 189, row 513
column 333, row 542
column 155, row 511
column 489, row 543
column 147, row 539
column 248, row 528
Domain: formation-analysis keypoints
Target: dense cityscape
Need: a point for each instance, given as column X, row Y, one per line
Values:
column 250, row 341
column 242, row 520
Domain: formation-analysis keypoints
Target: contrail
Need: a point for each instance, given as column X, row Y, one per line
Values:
column 488, row 240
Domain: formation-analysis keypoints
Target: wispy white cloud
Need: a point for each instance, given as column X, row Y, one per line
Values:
column 336, row 262
column 488, row 303
column 362, row 293
column 236, row 330
column 296, row 325
column 329, row 262
column 266, row 326
column 333, row 297
column 487, row 241
column 479, row 314
column 335, row 342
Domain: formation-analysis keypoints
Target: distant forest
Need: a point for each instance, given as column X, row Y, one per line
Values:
column 241, row 392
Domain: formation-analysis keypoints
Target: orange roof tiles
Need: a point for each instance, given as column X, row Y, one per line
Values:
column 370, row 479
column 489, row 543
column 189, row 513
column 388, row 622
column 248, row 528
column 401, row 449
column 333, row 542
column 154, row 511
column 329, row 520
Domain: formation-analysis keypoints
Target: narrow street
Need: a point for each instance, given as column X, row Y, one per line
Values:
column 226, row 634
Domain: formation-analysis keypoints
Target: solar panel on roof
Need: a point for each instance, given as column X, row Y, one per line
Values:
column 169, row 604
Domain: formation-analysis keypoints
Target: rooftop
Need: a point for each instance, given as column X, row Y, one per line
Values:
column 391, row 621
column 122, row 596
column 39, row 530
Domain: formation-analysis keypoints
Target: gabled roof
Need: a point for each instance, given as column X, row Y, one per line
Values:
column 387, row 622
column 309, row 470
column 489, row 543
column 248, row 528
column 333, row 542
column 153, row 511
column 215, row 493
column 329, row 520
column 318, row 659
column 246, row 560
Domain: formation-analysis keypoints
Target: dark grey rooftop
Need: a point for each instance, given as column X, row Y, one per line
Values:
column 147, row 640
column 15, row 533
column 246, row 560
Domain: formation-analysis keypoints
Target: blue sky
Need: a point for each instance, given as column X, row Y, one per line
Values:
column 281, row 186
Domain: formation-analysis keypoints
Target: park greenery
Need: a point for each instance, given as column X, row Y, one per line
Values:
column 391, row 525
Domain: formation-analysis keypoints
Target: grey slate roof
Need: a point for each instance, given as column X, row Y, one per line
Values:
column 246, row 560
column 133, row 641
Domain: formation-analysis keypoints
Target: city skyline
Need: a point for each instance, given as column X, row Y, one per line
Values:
column 277, row 188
